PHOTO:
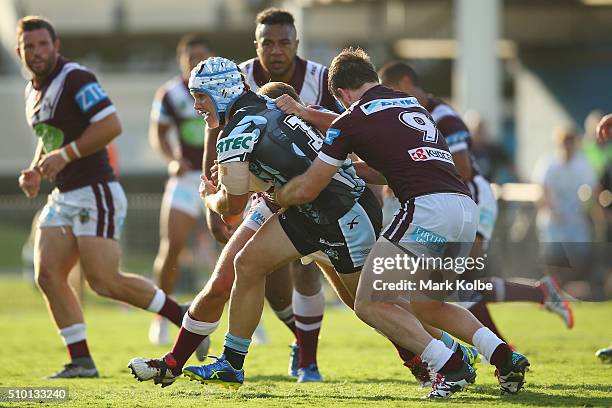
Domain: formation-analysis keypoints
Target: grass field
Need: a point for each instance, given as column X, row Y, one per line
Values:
column 359, row 366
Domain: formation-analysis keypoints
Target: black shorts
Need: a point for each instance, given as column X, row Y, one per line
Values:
column 347, row 242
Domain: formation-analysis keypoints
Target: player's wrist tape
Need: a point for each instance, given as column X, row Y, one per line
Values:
column 65, row 155
column 70, row 152
column 75, row 149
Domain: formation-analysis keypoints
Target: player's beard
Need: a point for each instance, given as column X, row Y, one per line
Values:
column 45, row 68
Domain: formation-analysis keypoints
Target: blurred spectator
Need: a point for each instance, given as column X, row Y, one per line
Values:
column 604, row 128
column 598, row 153
column 495, row 163
column 604, row 198
column 568, row 183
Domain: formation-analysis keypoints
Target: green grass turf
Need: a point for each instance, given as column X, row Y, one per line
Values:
column 359, row 366
column 12, row 238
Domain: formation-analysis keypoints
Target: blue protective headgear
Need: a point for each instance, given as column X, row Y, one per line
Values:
column 220, row 79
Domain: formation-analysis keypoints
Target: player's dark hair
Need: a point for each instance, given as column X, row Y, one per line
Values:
column 189, row 40
column 31, row 23
column 275, row 89
column 394, row 71
column 350, row 70
column 272, row 15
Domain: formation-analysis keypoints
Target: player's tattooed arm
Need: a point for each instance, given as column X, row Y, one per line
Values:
column 319, row 119
column 307, row 186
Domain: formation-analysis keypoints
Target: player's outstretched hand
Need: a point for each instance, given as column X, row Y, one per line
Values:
column 289, row 105
column 29, row 182
column 206, row 187
column 604, row 128
column 51, row 164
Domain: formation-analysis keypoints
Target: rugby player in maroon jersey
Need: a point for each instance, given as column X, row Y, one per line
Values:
column 396, row 136
column 402, row 77
column 75, row 120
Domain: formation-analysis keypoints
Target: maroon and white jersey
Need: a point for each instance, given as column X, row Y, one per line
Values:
column 452, row 127
column 173, row 106
column 60, row 110
column 309, row 81
column 395, row 135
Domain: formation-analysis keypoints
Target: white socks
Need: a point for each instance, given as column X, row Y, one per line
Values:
column 436, row 354
column 486, row 342
column 199, row 327
column 73, row 334
column 159, row 298
column 308, row 306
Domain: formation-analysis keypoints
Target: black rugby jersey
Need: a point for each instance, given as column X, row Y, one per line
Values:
column 279, row 147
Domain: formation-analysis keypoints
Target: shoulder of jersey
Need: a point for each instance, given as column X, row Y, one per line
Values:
column 73, row 70
column 67, row 69
column 246, row 64
column 170, row 84
column 244, row 110
column 343, row 118
column 174, row 81
column 313, row 68
column 350, row 109
column 255, row 106
column 442, row 110
column 74, row 67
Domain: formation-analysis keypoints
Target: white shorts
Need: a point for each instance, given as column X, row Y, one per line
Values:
column 390, row 206
column 182, row 194
column 435, row 225
column 485, row 198
column 95, row 210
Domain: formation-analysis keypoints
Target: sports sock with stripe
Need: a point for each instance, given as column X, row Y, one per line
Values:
column 235, row 350
column 167, row 307
column 308, row 317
